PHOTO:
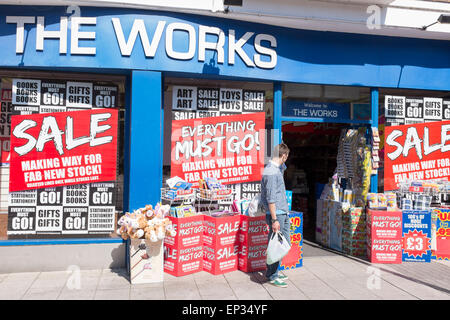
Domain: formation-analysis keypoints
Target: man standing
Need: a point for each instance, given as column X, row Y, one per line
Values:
column 273, row 198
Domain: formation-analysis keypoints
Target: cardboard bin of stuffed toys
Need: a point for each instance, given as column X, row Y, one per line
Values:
column 145, row 261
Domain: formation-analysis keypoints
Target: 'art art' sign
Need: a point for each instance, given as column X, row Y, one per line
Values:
column 65, row 148
column 416, row 152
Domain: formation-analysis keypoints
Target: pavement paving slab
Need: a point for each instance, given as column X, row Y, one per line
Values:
column 325, row 275
column 316, row 289
column 112, row 294
column 41, row 294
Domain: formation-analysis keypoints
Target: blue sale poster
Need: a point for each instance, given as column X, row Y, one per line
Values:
column 416, row 235
column 294, row 258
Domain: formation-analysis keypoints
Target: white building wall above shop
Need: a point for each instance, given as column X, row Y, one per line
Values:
column 401, row 18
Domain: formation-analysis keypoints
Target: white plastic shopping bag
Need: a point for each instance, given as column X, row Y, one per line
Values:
column 277, row 248
column 255, row 208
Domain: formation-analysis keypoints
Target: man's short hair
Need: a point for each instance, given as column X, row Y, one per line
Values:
column 280, row 150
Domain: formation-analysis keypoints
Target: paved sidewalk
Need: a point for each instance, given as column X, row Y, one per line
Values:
column 324, row 275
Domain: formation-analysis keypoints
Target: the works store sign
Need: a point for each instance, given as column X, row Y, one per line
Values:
column 150, row 36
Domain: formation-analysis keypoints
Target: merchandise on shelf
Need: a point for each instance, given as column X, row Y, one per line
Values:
column 176, row 184
column 382, row 201
column 212, row 190
column 423, row 195
column 183, row 211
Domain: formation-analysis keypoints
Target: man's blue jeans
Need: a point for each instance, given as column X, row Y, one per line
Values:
column 285, row 224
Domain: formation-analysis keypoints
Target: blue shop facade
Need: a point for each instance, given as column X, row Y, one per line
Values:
column 145, row 54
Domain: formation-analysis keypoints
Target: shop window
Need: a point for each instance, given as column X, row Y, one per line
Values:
column 403, row 107
column 86, row 210
column 212, row 101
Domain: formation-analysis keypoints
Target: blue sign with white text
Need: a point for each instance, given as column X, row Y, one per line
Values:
column 329, row 112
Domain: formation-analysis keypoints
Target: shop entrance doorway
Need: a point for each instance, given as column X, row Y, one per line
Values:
column 311, row 163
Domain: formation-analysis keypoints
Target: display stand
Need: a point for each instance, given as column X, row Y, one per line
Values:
column 184, row 252
column 212, row 196
column 184, row 197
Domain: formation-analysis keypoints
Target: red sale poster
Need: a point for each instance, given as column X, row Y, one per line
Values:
column 229, row 148
column 65, row 148
column 416, row 152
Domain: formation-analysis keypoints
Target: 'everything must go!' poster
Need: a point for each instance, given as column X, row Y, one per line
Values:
column 416, row 152
column 65, row 148
column 229, row 148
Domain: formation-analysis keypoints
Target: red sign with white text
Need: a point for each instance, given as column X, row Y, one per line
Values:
column 65, row 148
column 384, row 236
column 229, row 148
column 416, row 152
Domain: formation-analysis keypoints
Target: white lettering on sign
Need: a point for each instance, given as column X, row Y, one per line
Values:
column 178, row 35
column 50, row 131
column 413, row 140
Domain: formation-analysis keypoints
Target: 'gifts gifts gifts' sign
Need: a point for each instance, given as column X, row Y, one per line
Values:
column 416, row 152
column 229, row 148
column 65, row 148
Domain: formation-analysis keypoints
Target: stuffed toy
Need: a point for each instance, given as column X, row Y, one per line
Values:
column 168, row 227
column 147, row 223
column 150, row 231
column 123, row 222
column 159, row 226
column 142, row 221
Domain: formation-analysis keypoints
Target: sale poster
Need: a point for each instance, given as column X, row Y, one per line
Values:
column 294, row 258
column 440, row 234
column 416, row 235
column 42, row 157
column 190, row 102
column 230, row 149
column 54, row 204
column 384, row 236
column 416, row 152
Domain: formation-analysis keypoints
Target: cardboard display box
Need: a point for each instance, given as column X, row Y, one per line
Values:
column 441, row 234
column 179, row 261
column 189, row 232
column 220, row 244
column 416, row 235
column 253, row 239
column 294, row 258
column 145, row 261
column 220, row 259
column 384, row 236
column 183, row 253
